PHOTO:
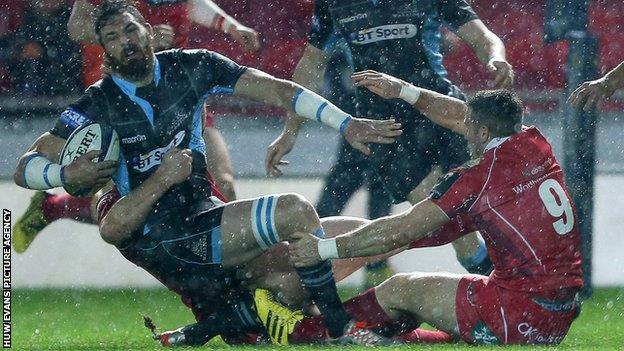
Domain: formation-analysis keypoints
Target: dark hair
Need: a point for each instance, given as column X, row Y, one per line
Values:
column 111, row 8
column 499, row 110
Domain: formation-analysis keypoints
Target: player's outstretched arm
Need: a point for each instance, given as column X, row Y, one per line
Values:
column 208, row 14
column 444, row 110
column 490, row 50
column 590, row 93
column 380, row 236
column 38, row 168
column 131, row 211
column 263, row 87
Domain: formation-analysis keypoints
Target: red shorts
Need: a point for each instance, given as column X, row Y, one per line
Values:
column 489, row 314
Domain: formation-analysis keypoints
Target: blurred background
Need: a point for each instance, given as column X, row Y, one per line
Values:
column 42, row 70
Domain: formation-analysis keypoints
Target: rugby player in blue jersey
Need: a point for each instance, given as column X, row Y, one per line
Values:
column 166, row 221
column 402, row 38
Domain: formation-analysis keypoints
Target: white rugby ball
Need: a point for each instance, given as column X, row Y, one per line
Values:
column 89, row 137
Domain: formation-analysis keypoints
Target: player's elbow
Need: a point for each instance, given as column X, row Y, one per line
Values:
column 18, row 175
column 286, row 92
column 111, row 233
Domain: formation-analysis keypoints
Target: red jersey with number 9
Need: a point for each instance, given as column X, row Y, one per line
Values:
column 516, row 197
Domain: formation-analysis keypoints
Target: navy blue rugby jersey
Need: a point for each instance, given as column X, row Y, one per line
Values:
column 152, row 119
column 398, row 37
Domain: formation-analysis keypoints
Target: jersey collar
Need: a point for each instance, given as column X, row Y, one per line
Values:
column 495, row 142
column 129, row 88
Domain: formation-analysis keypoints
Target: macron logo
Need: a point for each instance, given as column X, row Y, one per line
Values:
column 134, row 139
column 387, row 32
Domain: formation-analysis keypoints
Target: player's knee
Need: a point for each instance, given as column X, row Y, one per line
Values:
column 393, row 289
column 298, row 212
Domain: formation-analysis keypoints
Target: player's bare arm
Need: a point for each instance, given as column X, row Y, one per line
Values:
column 38, row 168
column 443, row 110
column 209, row 14
column 219, row 163
column 309, row 73
column 490, row 50
column 81, row 22
column 378, row 237
column 592, row 92
column 131, row 211
column 265, row 88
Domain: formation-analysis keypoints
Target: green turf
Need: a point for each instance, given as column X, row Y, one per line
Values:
column 105, row 319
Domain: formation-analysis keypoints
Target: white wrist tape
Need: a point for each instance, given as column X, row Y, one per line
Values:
column 312, row 106
column 41, row 174
column 328, row 249
column 409, row 93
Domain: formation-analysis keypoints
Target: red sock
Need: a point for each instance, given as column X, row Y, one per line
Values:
column 363, row 308
column 423, row 336
column 66, row 206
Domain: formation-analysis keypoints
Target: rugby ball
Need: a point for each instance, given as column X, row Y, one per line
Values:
column 88, row 137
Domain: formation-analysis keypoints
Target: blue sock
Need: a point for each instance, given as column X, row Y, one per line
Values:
column 320, row 283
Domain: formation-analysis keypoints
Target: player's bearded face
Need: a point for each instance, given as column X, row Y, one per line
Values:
column 127, row 45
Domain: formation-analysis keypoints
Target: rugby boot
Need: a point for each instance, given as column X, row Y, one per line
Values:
column 30, row 223
column 280, row 321
column 173, row 338
column 356, row 333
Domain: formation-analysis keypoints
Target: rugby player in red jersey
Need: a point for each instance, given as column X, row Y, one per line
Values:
column 171, row 22
column 513, row 192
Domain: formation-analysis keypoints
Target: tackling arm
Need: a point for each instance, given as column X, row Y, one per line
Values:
column 389, row 233
column 381, row 236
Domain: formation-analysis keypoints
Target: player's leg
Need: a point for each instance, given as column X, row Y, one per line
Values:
column 45, row 208
column 426, row 297
column 219, row 162
column 248, row 227
column 398, row 305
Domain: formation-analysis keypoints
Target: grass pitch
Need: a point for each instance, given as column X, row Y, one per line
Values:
column 111, row 320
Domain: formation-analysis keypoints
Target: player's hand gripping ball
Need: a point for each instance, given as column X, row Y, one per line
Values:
column 90, row 158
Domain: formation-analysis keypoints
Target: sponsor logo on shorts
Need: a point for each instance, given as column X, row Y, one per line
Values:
column 386, row 32
column 555, row 306
column 145, row 162
column 355, row 17
column 483, row 335
column 134, row 139
column 73, row 118
column 533, row 335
